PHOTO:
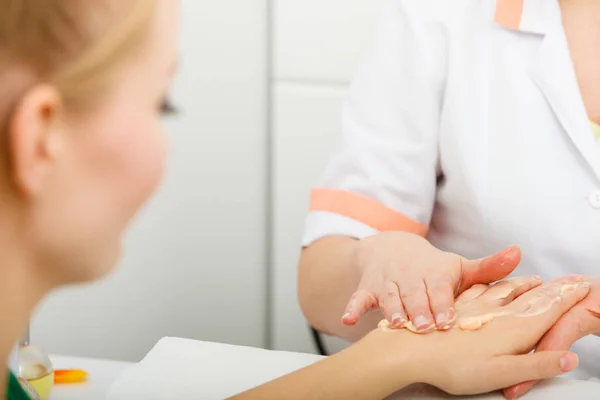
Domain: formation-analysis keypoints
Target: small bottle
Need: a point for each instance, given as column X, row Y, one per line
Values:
column 13, row 361
column 35, row 367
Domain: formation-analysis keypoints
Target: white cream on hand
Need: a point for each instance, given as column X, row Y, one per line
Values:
column 473, row 314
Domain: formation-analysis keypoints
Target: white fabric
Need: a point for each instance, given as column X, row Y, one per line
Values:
column 320, row 224
column 389, row 150
column 478, row 131
column 187, row 369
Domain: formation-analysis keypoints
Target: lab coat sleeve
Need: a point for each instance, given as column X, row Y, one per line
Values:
column 383, row 175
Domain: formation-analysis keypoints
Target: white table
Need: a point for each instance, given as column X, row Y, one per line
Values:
column 188, row 369
column 102, row 373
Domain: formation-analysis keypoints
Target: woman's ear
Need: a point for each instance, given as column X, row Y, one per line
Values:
column 34, row 139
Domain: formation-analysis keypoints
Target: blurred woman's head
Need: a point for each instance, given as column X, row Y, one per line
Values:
column 82, row 87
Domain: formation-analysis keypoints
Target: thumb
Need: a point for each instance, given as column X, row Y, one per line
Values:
column 510, row 370
column 490, row 269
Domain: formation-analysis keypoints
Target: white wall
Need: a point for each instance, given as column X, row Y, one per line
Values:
column 196, row 259
column 317, row 44
column 195, row 264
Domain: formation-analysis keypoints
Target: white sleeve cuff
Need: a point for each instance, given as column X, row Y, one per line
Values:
column 320, row 224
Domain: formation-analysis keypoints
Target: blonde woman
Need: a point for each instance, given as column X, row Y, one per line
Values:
column 83, row 86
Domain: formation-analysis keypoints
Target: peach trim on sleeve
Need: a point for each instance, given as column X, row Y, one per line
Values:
column 509, row 13
column 368, row 211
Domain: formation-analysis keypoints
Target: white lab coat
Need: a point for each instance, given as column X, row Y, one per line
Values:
column 465, row 123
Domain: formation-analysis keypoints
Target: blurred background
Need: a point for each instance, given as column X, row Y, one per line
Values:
column 213, row 256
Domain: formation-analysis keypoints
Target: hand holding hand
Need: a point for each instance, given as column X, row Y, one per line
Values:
column 580, row 321
column 410, row 280
column 497, row 355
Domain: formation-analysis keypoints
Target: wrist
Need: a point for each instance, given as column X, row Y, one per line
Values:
column 396, row 358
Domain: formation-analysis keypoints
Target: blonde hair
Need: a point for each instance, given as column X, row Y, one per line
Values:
column 74, row 45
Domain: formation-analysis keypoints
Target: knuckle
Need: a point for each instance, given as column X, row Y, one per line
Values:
column 361, row 298
column 440, row 293
column 363, row 292
column 411, row 285
column 411, row 296
column 392, row 290
column 385, row 302
column 437, row 277
column 437, row 285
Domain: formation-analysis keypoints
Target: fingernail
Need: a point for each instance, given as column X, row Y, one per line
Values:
column 421, row 322
column 446, row 326
column 451, row 319
column 537, row 277
column 442, row 319
column 568, row 362
column 515, row 393
column 397, row 319
column 345, row 316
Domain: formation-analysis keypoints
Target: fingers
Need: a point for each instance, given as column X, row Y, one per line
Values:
column 441, row 301
column 552, row 300
column 413, row 294
column 505, row 292
column 471, row 294
column 522, row 285
column 391, row 306
column 572, row 326
column 554, row 335
column 516, row 391
column 489, row 269
column 361, row 302
column 504, row 371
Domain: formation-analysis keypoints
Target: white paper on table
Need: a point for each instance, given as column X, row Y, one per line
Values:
column 187, row 369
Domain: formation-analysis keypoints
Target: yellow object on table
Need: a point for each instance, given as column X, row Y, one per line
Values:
column 68, row 376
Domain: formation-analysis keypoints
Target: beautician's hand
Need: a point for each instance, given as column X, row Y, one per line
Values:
column 410, row 280
column 496, row 355
column 580, row 321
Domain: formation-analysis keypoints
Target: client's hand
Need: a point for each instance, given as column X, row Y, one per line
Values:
column 509, row 320
column 580, row 321
column 512, row 317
